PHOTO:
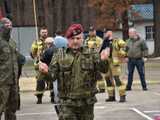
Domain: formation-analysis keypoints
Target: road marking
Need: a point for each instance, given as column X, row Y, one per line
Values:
column 100, row 107
column 31, row 114
column 156, row 93
column 153, row 111
column 141, row 113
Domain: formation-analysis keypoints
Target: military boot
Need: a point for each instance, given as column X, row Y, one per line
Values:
column 52, row 97
column 39, row 99
column 122, row 98
column 111, row 99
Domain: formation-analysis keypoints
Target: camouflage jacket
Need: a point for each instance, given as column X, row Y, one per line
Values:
column 8, row 63
column 76, row 73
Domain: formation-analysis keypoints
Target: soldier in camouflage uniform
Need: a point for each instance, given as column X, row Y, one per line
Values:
column 75, row 69
column 21, row 61
column 37, row 50
column 8, row 72
column 94, row 41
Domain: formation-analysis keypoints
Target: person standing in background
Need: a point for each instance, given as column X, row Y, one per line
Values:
column 37, row 49
column 136, row 50
column 115, row 47
column 8, row 72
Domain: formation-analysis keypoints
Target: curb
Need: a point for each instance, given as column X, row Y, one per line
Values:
column 29, row 84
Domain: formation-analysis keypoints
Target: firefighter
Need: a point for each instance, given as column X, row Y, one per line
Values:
column 117, row 55
column 37, row 50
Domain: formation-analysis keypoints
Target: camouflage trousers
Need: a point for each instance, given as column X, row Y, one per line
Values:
column 8, row 101
column 85, row 112
column 43, row 83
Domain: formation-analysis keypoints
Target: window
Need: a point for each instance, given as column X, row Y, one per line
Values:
column 149, row 33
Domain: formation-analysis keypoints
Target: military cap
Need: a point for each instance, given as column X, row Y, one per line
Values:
column 73, row 30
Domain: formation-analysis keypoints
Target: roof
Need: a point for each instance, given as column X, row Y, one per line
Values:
column 143, row 11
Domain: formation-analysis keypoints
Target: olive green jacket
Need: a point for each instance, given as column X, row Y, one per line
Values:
column 136, row 48
column 76, row 72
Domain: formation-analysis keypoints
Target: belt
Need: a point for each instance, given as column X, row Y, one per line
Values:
column 135, row 58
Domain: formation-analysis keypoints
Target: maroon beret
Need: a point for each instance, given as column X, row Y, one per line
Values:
column 73, row 30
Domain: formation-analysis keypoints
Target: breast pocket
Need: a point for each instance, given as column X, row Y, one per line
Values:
column 87, row 63
column 66, row 64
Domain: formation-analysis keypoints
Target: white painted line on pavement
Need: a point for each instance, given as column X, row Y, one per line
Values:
column 153, row 111
column 156, row 93
column 100, row 107
column 31, row 114
column 141, row 113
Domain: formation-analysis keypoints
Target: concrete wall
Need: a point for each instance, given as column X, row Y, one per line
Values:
column 24, row 37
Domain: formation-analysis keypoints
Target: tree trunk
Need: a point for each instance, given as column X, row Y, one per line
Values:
column 156, row 4
column 125, row 25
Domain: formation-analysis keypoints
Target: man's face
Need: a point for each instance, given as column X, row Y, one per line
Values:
column 108, row 34
column 132, row 34
column 92, row 33
column 8, row 24
column 75, row 42
column 44, row 33
column 5, row 24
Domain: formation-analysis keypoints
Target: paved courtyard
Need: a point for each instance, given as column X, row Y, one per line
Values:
column 140, row 105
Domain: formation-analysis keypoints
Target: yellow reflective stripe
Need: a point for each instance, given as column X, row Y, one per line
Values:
column 110, row 91
column 122, row 90
column 121, row 43
column 110, row 88
column 39, row 92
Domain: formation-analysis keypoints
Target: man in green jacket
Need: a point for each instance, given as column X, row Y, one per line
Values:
column 136, row 50
column 75, row 69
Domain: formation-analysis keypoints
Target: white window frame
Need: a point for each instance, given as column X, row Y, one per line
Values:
column 149, row 32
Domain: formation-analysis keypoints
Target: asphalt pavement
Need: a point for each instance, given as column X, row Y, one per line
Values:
column 140, row 105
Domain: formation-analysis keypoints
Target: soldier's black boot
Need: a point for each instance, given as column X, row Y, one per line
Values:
column 52, row 97
column 39, row 99
column 19, row 102
column 111, row 99
column 122, row 98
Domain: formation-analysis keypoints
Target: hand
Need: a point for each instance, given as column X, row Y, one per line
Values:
column 104, row 54
column 145, row 59
column 43, row 67
column 126, row 59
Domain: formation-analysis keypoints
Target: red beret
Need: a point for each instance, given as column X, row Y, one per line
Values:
column 74, row 30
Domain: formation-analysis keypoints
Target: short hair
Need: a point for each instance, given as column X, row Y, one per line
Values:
column 43, row 28
column 58, row 32
column 49, row 40
column 4, row 19
column 132, row 30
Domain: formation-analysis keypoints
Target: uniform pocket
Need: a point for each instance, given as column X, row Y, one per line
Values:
column 86, row 63
column 4, row 55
